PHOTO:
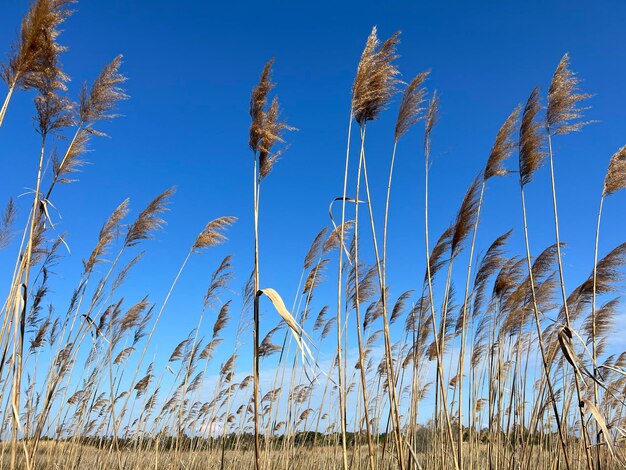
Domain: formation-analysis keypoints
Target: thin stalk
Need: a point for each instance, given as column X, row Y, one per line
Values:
column 544, row 360
column 432, row 307
column 461, row 367
column 342, row 398
column 5, row 105
column 255, row 366
column 370, row 446
column 594, row 352
column 393, row 159
column 565, row 306
column 393, row 399
column 19, row 326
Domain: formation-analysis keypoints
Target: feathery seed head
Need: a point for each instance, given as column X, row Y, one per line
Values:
column 35, row 52
column 432, row 115
column 266, row 128
column 502, row 147
column 563, row 99
column 6, row 224
column 615, row 178
column 315, row 249
column 411, row 106
column 108, row 233
column 258, row 103
column 375, row 81
column 149, row 219
column 531, row 154
column 334, row 239
column 54, row 111
column 213, row 233
column 98, row 102
column 466, row 216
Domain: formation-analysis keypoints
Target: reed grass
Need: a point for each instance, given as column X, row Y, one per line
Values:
column 518, row 368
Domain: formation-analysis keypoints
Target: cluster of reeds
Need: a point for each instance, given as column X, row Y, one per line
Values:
column 518, row 368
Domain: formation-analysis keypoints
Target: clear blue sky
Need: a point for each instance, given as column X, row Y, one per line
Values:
column 191, row 66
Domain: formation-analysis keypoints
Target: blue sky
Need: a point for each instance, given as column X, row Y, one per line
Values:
column 191, row 66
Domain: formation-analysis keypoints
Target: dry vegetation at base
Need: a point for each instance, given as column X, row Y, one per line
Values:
column 58, row 455
column 54, row 455
column 517, row 365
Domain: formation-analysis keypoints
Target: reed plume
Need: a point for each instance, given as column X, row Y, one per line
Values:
column 54, row 111
column 321, row 318
column 615, row 178
column 333, row 241
column 219, row 280
column 222, row 319
column 411, row 107
column 267, row 127
column 7, row 219
column 597, row 327
column 492, row 262
column 606, row 275
column 503, row 147
column 466, row 217
column 36, row 49
column 108, row 233
column 438, row 254
column 212, row 234
column 531, row 141
column 399, row 306
column 316, row 248
column 258, row 104
column 149, row 220
column 376, row 77
column 34, row 55
column 563, row 101
column 432, row 116
column 97, row 103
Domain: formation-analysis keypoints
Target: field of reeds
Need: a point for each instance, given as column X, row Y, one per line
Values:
column 489, row 361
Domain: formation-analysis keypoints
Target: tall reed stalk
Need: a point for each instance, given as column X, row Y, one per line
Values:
column 562, row 117
column 531, row 157
column 431, row 119
column 265, row 132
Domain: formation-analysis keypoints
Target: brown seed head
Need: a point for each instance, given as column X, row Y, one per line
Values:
column 213, row 233
column 411, row 109
column 502, row 147
column 432, row 115
column 315, row 249
column 149, row 219
column 466, row 216
column 108, row 233
column 98, row 102
column 563, row 99
column 615, row 178
column 35, row 52
column 375, row 81
column 531, row 154
column 266, row 128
